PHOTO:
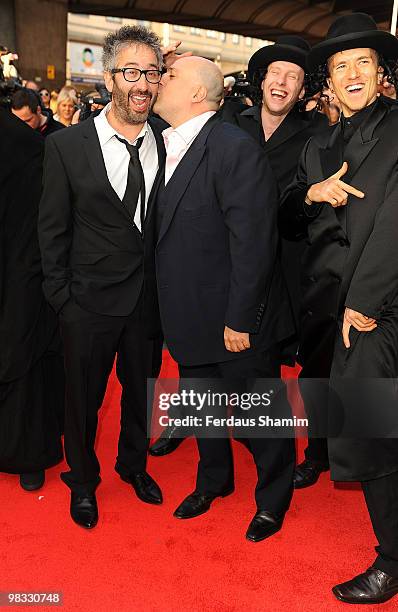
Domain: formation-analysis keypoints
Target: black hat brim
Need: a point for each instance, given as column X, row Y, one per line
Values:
column 384, row 43
column 276, row 53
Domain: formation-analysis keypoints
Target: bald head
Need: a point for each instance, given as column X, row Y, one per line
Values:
column 192, row 86
column 206, row 74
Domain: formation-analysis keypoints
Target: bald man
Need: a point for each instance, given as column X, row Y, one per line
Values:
column 223, row 306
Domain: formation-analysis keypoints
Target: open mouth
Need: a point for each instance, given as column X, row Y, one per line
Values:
column 140, row 101
column 278, row 94
column 355, row 88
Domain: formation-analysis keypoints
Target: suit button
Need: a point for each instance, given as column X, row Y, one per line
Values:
column 312, row 279
column 310, row 313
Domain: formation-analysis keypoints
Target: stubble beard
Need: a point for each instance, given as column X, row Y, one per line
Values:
column 121, row 106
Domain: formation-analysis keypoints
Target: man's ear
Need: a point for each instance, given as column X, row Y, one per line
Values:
column 108, row 78
column 301, row 94
column 200, row 95
column 329, row 82
column 380, row 74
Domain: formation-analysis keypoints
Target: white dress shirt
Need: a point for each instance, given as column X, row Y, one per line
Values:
column 117, row 158
column 177, row 141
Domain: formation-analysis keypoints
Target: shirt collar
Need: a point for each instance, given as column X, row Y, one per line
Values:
column 190, row 129
column 106, row 132
column 357, row 118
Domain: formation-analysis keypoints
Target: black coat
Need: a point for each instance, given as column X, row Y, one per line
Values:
column 283, row 150
column 27, row 324
column 352, row 261
column 31, row 367
column 91, row 249
column 216, row 252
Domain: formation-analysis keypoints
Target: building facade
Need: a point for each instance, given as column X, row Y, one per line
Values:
column 86, row 33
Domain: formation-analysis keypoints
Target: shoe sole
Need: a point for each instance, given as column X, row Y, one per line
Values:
column 229, row 492
column 31, row 487
column 86, row 527
column 367, row 602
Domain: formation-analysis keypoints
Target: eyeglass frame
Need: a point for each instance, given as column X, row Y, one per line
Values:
column 161, row 72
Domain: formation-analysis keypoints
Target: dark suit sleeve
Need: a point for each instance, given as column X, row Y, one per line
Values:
column 375, row 281
column 248, row 198
column 55, row 227
column 294, row 214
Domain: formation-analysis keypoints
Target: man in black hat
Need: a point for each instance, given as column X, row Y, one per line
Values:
column 281, row 126
column 344, row 200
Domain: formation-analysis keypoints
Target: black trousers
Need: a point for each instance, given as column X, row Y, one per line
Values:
column 381, row 495
column 91, row 342
column 274, row 457
column 315, row 395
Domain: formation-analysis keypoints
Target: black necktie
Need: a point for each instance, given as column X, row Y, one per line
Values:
column 135, row 181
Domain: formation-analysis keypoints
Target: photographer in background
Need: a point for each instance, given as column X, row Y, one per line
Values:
column 92, row 103
column 25, row 104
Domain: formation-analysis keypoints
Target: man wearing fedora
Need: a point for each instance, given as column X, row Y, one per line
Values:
column 344, row 200
column 280, row 124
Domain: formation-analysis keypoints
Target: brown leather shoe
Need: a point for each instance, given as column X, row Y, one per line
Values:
column 371, row 587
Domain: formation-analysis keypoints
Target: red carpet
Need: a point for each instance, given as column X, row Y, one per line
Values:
column 141, row 558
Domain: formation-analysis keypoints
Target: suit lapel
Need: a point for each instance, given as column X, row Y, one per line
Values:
column 362, row 141
column 290, row 126
column 331, row 155
column 97, row 165
column 184, row 172
column 250, row 121
column 160, row 173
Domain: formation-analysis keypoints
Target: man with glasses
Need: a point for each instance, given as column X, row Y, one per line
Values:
column 96, row 233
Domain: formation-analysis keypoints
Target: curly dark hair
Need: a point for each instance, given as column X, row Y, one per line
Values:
column 310, row 88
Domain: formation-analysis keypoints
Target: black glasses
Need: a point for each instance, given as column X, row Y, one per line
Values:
column 134, row 74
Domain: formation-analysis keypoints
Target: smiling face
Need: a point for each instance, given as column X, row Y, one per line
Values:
column 66, row 110
column 132, row 102
column 282, row 87
column 354, row 77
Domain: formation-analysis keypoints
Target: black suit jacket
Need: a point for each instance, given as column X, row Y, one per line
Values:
column 352, row 249
column 352, row 261
column 283, row 150
column 216, row 253
column 91, row 249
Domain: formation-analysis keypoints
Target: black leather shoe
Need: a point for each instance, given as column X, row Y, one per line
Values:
column 145, row 487
column 167, row 443
column 307, row 473
column 32, row 481
column 372, row 587
column 84, row 510
column 198, row 503
column 263, row 525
